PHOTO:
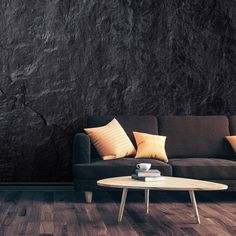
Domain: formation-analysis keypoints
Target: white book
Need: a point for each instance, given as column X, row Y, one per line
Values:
column 148, row 179
column 149, row 173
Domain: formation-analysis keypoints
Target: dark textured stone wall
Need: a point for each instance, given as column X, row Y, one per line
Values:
column 62, row 60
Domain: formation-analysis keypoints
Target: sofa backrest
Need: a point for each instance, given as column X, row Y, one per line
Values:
column 195, row 136
column 145, row 124
column 232, row 125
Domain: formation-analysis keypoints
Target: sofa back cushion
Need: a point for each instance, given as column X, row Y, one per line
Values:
column 232, row 125
column 195, row 136
column 144, row 124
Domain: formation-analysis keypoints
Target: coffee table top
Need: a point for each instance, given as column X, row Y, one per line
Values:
column 168, row 183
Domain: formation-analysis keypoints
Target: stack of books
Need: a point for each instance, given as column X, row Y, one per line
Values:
column 147, row 176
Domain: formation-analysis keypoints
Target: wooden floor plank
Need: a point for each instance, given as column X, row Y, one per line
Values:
column 34, row 216
column 24, row 206
column 67, row 214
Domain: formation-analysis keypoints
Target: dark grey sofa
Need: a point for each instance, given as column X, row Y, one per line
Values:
column 195, row 146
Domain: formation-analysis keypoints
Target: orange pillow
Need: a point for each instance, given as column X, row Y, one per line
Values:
column 232, row 141
column 111, row 141
column 150, row 146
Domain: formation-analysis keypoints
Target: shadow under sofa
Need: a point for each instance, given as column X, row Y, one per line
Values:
column 196, row 148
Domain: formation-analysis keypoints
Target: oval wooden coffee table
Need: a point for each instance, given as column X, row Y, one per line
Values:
column 168, row 183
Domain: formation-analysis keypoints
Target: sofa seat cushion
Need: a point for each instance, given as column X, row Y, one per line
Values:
column 100, row 169
column 204, row 168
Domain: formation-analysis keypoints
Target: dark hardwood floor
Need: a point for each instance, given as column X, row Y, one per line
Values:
column 66, row 213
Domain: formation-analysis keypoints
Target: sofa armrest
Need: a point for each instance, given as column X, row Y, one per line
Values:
column 81, row 149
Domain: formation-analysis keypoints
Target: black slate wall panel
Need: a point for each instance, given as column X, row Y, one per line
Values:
column 62, row 60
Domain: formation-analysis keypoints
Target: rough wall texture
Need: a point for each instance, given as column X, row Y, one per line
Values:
column 61, row 60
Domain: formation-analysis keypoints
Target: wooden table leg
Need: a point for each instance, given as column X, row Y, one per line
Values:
column 194, row 203
column 122, row 204
column 147, row 200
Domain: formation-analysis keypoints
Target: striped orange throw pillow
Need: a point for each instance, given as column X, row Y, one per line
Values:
column 111, row 141
column 232, row 141
column 150, row 146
